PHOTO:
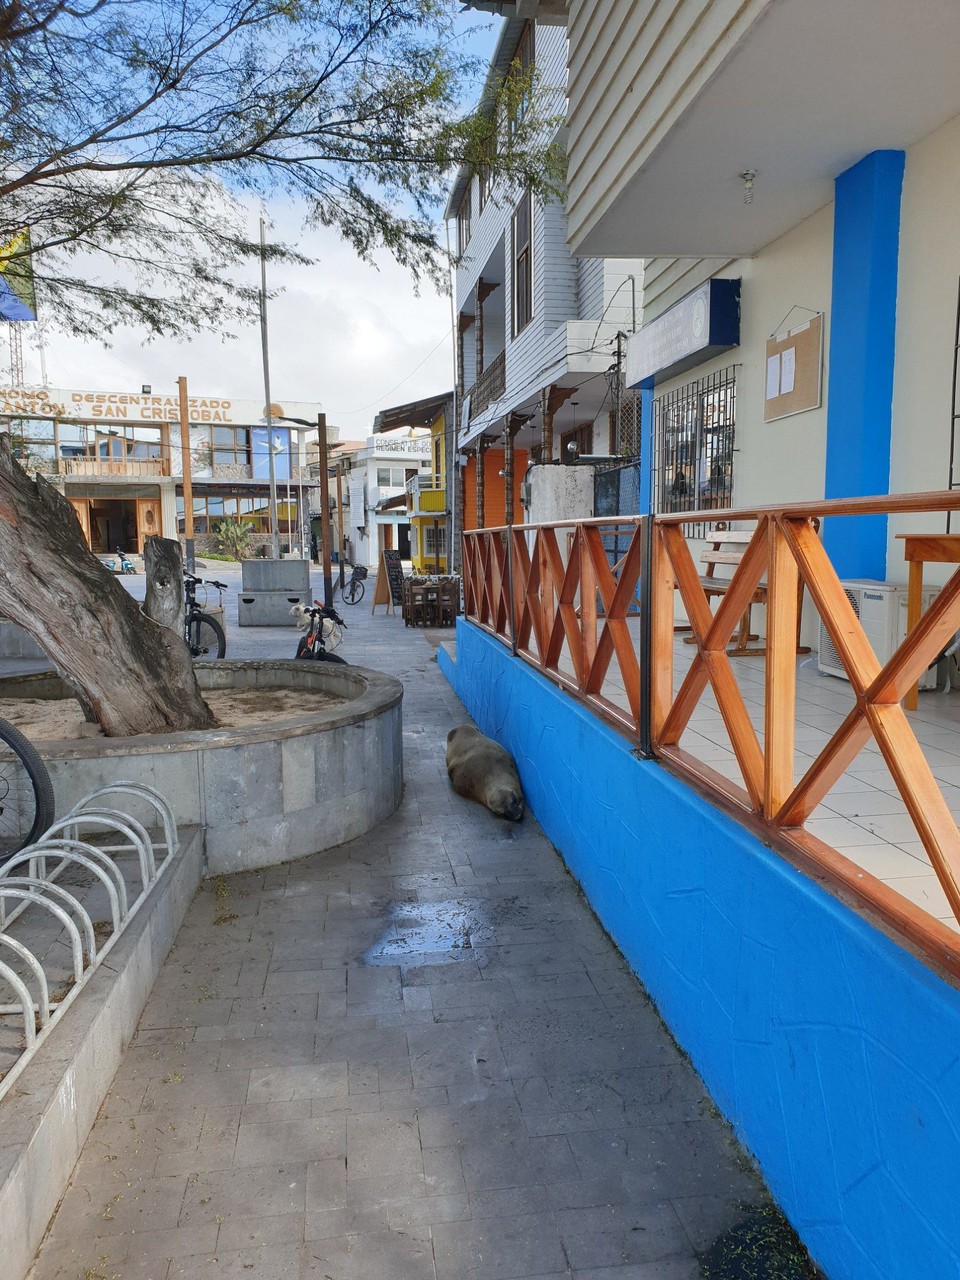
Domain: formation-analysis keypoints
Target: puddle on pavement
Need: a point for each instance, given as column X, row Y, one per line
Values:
column 433, row 932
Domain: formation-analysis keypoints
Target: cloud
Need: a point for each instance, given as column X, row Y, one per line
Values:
column 343, row 333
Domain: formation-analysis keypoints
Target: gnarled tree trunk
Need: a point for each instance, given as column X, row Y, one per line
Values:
column 137, row 675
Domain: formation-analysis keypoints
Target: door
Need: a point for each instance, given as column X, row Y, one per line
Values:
column 148, row 519
column 82, row 507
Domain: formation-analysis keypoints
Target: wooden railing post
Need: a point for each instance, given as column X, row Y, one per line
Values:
column 781, row 674
column 661, row 632
column 646, row 635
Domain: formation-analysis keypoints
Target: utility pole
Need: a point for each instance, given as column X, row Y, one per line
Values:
column 325, row 509
column 274, row 529
column 189, row 556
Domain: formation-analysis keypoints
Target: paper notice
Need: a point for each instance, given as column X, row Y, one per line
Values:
column 773, row 376
column 788, row 370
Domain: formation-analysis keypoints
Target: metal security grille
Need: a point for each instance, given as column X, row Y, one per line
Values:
column 693, row 444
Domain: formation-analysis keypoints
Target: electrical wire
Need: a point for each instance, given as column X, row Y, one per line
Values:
column 344, row 412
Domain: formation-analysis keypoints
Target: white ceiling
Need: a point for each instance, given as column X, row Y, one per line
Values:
column 814, row 86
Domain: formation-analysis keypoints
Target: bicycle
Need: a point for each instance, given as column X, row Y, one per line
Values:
column 352, row 592
column 204, row 635
column 323, row 627
column 26, row 793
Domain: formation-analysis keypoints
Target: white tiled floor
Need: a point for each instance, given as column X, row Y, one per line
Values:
column 863, row 816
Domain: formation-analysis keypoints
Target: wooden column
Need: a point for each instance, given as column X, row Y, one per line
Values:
column 513, row 424
column 463, row 324
column 482, row 446
column 553, row 398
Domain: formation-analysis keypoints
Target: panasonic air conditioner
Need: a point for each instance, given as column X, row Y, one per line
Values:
column 882, row 610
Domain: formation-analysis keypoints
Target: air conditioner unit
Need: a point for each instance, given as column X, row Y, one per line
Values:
column 882, row 610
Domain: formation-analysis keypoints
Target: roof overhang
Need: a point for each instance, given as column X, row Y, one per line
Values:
column 813, row 87
column 418, row 413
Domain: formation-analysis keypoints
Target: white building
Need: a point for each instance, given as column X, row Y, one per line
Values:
column 537, row 326
column 375, row 494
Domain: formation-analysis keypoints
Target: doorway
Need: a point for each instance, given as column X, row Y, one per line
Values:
column 403, row 541
column 113, row 526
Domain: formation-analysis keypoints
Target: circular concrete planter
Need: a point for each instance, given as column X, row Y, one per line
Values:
column 263, row 795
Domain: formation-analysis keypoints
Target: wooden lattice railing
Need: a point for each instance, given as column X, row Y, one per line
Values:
column 571, row 599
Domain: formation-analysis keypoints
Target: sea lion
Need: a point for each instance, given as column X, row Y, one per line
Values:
column 481, row 770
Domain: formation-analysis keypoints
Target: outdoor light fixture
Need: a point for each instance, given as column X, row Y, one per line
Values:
column 747, row 177
column 146, row 389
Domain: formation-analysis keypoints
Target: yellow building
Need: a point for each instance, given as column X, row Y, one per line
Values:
column 427, row 496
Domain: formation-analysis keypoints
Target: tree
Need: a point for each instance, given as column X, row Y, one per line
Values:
column 132, row 128
column 136, row 675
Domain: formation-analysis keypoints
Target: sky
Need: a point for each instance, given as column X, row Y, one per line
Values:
column 351, row 337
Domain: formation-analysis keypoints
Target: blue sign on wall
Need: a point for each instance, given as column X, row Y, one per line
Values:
column 700, row 326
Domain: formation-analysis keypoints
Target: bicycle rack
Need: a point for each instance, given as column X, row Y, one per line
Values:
column 67, row 843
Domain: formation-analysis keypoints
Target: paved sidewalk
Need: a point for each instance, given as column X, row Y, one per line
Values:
column 416, row 1057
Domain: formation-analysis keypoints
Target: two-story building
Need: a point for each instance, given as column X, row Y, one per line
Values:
column 540, row 332
column 429, row 493
column 375, row 492
column 118, row 457
column 788, row 171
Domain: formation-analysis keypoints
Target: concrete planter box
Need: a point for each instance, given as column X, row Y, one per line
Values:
column 262, row 795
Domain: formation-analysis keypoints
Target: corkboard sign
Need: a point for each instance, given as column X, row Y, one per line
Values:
column 793, row 371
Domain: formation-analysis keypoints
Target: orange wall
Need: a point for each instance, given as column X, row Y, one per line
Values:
column 494, row 489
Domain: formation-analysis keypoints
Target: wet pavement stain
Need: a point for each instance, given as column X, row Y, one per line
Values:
column 431, row 932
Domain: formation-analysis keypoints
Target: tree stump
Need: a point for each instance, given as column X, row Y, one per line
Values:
column 163, row 565
column 136, row 674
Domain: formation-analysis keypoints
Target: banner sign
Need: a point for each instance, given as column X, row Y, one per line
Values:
column 127, row 406
column 700, row 326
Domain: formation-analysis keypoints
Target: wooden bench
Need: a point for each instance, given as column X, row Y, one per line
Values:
column 727, row 547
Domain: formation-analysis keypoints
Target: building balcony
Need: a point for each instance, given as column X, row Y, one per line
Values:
column 426, row 497
column 490, row 385
column 120, row 468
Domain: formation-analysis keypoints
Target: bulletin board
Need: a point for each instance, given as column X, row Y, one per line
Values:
column 793, row 370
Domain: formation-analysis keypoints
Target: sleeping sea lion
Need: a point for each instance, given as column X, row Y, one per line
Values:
column 481, row 770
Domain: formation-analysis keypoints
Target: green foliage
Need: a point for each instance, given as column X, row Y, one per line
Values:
column 233, row 537
column 133, row 129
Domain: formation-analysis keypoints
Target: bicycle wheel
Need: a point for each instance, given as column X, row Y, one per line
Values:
column 26, row 792
column 206, row 638
column 353, row 592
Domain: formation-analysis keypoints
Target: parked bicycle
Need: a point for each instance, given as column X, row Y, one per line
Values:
column 203, row 633
column 352, row 592
column 324, row 633
column 26, row 792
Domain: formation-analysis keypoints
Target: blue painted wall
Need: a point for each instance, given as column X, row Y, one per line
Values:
column 866, row 246
column 835, row 1054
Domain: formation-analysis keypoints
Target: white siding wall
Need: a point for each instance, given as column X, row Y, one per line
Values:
column 667, row 280
column 590, row 288
column 633, row 70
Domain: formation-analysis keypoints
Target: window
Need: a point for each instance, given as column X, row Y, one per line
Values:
column 434, row 540
column 231, row 446
column 485, row 183
column 519, row 90
column 693, row 440
column 522, row 265
column 391, row 477
column 463, row 221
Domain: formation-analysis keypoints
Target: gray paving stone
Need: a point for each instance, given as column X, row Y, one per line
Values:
column 513, row 1109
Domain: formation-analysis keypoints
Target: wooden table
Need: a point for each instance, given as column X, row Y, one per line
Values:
column 920, row 549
